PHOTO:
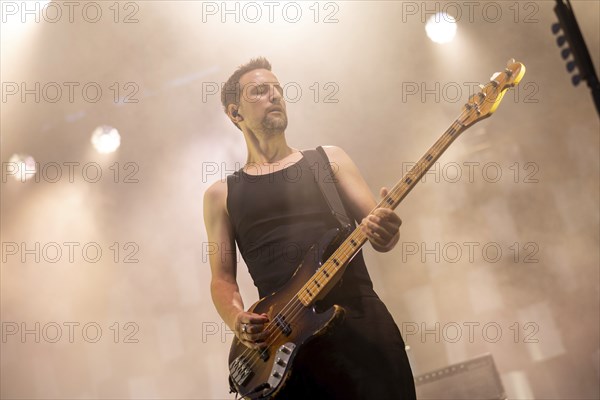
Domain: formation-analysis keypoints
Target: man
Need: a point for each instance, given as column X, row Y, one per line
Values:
column 264, row 205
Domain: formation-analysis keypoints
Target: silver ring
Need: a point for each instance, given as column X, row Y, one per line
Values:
column 245, row 328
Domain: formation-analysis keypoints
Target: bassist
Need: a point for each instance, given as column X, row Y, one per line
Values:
column 274, row 210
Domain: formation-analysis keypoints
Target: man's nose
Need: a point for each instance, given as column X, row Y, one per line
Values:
column 275, row 96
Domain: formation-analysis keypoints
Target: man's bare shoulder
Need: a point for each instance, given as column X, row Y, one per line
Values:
column 216, row 194
column 336, row 155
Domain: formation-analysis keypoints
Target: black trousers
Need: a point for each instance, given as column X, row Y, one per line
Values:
column 362, row 358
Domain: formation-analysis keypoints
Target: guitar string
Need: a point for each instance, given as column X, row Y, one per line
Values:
column 295, row 303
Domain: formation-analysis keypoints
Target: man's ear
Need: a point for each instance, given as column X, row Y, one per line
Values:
column 234, row 115
column 233, row 110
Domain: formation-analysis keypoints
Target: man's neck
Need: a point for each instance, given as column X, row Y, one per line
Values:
column 267, row 149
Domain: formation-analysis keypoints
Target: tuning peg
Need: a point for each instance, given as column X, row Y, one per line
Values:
column 494, row 76
column 571, row 66
column 555, row 27
column 561, row 40
column 575, row 79
column 481, row 86
column 511, row 61
column 565, row 53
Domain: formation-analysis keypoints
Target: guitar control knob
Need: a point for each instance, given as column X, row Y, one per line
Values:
column 281, row 362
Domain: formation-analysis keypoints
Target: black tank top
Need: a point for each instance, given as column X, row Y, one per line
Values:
column 276, row 218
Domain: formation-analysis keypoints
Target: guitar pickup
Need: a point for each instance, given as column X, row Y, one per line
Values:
column 264, row 354
column 285, row 328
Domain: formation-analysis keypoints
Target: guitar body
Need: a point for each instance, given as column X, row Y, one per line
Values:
column 261, row 374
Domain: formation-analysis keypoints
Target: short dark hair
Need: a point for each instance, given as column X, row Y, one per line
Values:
column 231, row 91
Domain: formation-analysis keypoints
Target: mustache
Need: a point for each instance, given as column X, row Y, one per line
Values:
column 275, row 108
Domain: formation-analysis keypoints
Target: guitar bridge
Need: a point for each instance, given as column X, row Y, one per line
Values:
column 240, row 371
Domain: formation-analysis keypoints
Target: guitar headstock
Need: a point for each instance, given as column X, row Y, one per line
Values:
column 482, row 104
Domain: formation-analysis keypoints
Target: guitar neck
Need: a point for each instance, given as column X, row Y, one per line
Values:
column 410, row 179
column 321, row 282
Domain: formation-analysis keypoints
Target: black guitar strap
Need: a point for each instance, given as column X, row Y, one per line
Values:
column 323, row 173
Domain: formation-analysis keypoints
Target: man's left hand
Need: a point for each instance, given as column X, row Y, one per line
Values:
column 382, row 227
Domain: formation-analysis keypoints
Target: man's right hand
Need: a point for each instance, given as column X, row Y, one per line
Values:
column 250, row 329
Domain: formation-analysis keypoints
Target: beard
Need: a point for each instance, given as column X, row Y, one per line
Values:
column 273, row 124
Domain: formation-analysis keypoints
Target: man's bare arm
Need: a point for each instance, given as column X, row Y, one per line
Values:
column 224, row 288
column 382, row 228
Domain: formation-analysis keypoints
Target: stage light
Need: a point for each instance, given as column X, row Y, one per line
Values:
column 555, row 27
column 569, row 33
column 566, row 52
column 441, row 28
column 21, row 166
column 106, row 139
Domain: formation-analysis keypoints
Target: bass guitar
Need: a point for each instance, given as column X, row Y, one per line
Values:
column 293, row 318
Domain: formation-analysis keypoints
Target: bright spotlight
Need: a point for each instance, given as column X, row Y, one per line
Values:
column 21, row 167
column 441, row 28
column 106, row 139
